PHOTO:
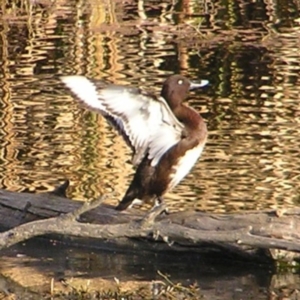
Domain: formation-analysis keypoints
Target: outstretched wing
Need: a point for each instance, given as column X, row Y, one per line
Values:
column 144, row 121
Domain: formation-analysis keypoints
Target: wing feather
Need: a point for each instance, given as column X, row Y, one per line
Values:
column 146, row 122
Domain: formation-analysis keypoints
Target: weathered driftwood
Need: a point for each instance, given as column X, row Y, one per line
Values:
column 253, row 235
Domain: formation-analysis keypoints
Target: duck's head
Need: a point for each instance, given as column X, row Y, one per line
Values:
column 175, row 89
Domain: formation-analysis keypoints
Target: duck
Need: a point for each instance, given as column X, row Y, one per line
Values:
column 166, row 135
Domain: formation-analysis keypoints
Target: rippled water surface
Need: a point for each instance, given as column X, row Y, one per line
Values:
column 248, row 50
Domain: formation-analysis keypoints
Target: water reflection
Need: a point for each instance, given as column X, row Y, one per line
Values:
column 39, row 261
column 217, row 277
column 251, row 159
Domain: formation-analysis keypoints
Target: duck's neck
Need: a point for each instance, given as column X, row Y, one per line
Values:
column 188, row 116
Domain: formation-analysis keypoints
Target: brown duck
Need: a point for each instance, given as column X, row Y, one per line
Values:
column 167, row 137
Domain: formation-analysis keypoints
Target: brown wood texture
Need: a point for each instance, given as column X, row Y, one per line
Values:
column 253, row 235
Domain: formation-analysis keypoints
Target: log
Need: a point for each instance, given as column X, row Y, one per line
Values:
column 255, row 235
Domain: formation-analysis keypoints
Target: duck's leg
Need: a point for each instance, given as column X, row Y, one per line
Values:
column 151, row 215
column 158, row 201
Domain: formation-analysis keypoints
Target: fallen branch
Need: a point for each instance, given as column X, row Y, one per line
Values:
column 243, row 234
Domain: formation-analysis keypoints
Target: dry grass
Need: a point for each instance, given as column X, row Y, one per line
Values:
column 164, row 289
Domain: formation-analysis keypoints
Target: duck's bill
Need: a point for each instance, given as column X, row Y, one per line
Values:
column 197, row 85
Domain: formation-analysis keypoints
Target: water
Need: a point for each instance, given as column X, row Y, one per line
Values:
column 249, row 51
column 37, row 263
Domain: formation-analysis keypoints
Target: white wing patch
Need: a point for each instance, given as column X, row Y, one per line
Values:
column 161, row 142
column 185, row 164
column 166, row 137
column 119, row 102
column 149, row 123
column 84, row 89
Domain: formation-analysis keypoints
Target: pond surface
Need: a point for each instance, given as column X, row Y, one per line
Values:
column 250, row 54
column 249, row 51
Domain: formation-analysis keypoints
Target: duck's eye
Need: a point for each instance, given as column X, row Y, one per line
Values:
column 180, row 81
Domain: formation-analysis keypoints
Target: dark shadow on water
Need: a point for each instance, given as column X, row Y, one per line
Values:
column 208, row 271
